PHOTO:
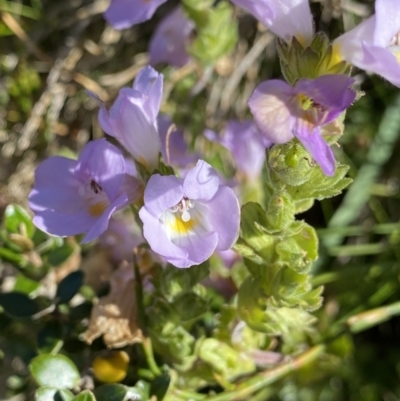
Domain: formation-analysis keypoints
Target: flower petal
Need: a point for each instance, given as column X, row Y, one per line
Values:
column 349, row 45
column 270, row 106
column 195, row 237
column 155, row 234
column 223, row 212
column 101, row 224
column 123, row 14
column 56, row 186
column 63, row 224
column 162, row 193
column 330, row 91
column 286, row 18
column 168, row 44
column 150, row 84
column 387, row 21
column 201, row 182
column 315, row 144
column 127, row 121
column 383, row 62
column 105, row 164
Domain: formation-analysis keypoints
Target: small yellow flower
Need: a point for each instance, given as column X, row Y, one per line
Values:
column 111, row 367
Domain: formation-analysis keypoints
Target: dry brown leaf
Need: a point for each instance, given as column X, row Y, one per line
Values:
column 115, row 315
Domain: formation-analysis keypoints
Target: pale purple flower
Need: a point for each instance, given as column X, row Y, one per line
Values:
column 186, row 220
column 79, row 196
column 285, row 18
column 247, row 145
column 168, row 44
column 121, row 236
column 123, row 14
column 283, row 112
column 374, row 45
column 174, row 148
column 132, row 119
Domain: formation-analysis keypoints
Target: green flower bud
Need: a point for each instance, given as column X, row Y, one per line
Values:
column 290, row 162
column 319, row 58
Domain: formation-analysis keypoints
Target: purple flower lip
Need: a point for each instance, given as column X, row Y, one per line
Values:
column 72, row 197
column 282, row 112
column 122, row 14
column 185, row 221
column 373, row 45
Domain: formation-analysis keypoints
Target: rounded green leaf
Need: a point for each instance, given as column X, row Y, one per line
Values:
column 53, row 394
column 111, row 392
column 85, row 396
column 18, row 304
column 55, row 371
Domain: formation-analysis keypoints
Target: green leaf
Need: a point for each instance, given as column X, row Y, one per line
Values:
column 253, row 231
column 111, row 392
column 25, row 285
column 13, row 257
column 159, row 386
column 69, row 286
column 55, row 371
column 60, row 254
column 17, row 220
column 53, row 394
column 217, row 36
column 85, row 396
column 18, row 304
column 225, row 360
column 190, row 306
column 172, row 281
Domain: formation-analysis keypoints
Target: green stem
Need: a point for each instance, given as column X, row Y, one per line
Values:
column 189, row 395
column 258, row 382
column 139, row 297
column 146, row 342
column 148, row 351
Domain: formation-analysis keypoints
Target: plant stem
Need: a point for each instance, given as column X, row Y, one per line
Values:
column 258, row 382
column 148, row 351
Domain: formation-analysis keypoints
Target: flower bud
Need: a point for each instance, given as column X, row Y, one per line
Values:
column 290, row 162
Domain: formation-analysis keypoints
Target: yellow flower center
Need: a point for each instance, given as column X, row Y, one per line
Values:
column 178, row 226
column 97, row 209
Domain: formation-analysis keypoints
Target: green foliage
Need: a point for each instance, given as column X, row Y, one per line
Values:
column 85, row 396
column 69, row 286
column 53, row 394
column 17, row 220
column 216, row 34
column 54, row 371
column 319, row 58
column 17, row 304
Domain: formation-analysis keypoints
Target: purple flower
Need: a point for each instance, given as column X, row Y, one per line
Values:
column 174, row 149
column 285, row 18
column 374, row 45
column 79, row 196
column 121, row 236
column 132, row 119
column 123, row 14
column 282, row 112
column 186, row 220
column 168, row 44
column 247, row 145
